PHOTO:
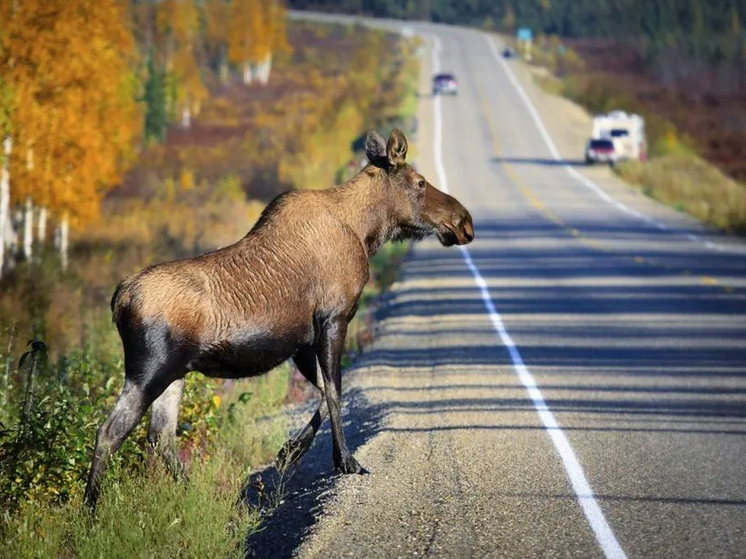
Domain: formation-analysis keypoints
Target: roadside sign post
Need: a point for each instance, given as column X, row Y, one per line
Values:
column 524, row 36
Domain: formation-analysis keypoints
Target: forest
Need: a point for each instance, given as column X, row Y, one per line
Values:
column 76, row 108
column 660, row 22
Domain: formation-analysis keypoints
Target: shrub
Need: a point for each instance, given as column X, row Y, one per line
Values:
column 688, row 183
column 45, row 453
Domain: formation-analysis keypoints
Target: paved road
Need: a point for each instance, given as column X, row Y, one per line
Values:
column 573, row 385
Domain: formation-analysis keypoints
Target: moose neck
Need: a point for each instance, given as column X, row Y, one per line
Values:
column 366, row 208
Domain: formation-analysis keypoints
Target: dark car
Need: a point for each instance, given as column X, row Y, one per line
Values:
column 600, row 151
column 508, row 53
column 445, row 83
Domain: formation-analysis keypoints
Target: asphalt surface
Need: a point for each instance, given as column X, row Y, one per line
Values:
column 631, row 321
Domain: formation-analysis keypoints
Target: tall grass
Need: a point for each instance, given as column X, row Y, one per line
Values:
column 690, row 184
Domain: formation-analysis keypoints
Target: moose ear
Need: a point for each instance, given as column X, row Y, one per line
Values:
column 396, row 148
column 375, row 148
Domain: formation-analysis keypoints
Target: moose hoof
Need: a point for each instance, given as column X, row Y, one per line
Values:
column 350, row 466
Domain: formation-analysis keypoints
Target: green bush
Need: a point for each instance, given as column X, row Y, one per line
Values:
column 143, row 512
column 45, row 450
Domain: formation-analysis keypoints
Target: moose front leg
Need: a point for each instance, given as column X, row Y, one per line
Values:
column 330, row 347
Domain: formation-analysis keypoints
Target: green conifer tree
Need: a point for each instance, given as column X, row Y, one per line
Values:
column 156, row 116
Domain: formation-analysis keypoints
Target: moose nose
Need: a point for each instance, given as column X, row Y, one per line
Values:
column 465, row 229
column 469, row 231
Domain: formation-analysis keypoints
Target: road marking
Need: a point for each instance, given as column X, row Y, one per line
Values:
column 604, row 534
column 579, row 176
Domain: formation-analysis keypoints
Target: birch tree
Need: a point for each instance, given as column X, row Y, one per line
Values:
column 7, row 102
column 257, row 31
column 74, row 109
column 275, row 18
column 217, row 15
column 178, row 25
column 246, row 35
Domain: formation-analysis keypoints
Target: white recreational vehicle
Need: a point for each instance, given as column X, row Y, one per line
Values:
column 615, row 136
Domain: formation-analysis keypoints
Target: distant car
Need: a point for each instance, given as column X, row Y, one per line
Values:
column 445, row 83
column 508, row 53
column 600, row 151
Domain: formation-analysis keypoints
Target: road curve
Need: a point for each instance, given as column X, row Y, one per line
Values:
column 571, row 385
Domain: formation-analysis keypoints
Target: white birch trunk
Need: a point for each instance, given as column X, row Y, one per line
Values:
column 186, row 117
column 64, row 231
column 264, row 69
column 247, row 73
column 255, row 72
column 4, row 198
column 28, row 229
column 9, row 234
column 42, row 229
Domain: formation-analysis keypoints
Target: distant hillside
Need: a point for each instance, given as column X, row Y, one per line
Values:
column 707, row 29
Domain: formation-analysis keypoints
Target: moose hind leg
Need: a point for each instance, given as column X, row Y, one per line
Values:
column 330, row 346
column 164, row 416
column 127, row 413
column 299, row 444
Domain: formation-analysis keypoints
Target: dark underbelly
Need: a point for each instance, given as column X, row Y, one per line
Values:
column 248, row 358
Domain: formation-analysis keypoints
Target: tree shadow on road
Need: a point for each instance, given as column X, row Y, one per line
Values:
column 540, row 161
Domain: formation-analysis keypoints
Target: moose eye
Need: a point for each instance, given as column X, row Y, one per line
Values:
column 421, row 183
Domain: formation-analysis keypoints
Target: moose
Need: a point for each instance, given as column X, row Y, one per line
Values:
column 287, row 290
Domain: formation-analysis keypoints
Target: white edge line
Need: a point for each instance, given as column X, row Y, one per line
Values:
column 581, row 487
column 579, row 176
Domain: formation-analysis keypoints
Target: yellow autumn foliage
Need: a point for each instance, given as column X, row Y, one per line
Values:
column 257, row 29
column 75, row 116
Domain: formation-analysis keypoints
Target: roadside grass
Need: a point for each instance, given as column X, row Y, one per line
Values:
column 548, row 82
column 149, row 513
column 674, row 174
column 690, row 184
